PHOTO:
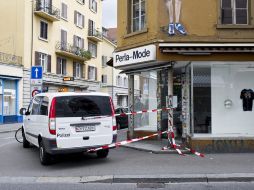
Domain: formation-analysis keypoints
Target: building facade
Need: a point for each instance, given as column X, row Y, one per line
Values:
column 200, row 62
column 64, row 37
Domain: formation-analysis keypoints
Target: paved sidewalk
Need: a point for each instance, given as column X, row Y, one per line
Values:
column 154, row 146
column 5, row 128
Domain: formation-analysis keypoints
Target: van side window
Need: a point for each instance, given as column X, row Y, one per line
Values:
column 36, row 106
column 44, row 106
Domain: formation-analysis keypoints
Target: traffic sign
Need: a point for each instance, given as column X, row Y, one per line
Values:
column 36, row 72
column 35, row 90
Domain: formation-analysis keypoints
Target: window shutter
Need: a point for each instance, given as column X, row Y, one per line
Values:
column 37, row 60
column 82, row 45
column 58, row 66
column 83, row 21
column 65, row 11
column 106, row 78
column 95, row 73
column 75, row 41
column 74, row 69
column 81, row 71
column 49, row 64
column 75, row 17
column 64, row 67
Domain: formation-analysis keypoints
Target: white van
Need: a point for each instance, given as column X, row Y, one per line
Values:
column 60, row 123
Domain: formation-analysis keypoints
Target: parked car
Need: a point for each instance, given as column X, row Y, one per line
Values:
column 122, row 120
column 60, row 123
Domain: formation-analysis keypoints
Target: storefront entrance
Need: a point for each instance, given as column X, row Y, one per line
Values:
column 9, row 101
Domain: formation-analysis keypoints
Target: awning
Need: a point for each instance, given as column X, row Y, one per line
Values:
column 206, row 48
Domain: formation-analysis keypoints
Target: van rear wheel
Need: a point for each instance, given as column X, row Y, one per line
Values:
column 102, row 153
column 45, row 158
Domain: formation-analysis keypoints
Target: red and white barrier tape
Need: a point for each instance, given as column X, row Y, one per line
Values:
column 118, row 144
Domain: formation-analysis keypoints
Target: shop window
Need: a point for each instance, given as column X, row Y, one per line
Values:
column 138, row 15
column 202, row 98
column 43, row 30
column 234, row 12
column 9, row 97
column 146, row 100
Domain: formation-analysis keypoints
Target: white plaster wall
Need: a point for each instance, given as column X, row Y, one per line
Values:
column 227, row 83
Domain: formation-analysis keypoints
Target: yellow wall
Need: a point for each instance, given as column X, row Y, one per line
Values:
column 200, row 18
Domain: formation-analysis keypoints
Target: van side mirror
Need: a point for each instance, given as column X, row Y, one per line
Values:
column 22, row 111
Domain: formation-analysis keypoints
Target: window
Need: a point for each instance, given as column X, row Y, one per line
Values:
column 119, row 81
column 92, row 73
column 138, row 17
column 104, row 79
column 43, row 58
column 43, row 30
column 79, row 19
column 93, row 49
column 36, row 106
column 104, row 61
column 81, row 1
column 83, row 106
column 61, row 66
column 78, row 42
column 91, row 27
column 77, row 70
column 64, row 11
column 44, row 106
column 93, row 5
column 234, row 11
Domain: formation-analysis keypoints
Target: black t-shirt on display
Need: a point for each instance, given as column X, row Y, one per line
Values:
column 247, row 95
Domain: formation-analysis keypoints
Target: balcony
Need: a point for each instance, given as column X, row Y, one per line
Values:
column 47, row 11
column 72, row 51
column 94, row 35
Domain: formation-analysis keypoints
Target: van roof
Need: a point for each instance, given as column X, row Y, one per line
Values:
column 59, row 94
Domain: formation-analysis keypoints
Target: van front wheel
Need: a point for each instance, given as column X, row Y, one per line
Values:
column 45, row 158
column 102, row 153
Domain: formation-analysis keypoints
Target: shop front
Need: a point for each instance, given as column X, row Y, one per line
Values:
column 212, row 100
column 9, row 100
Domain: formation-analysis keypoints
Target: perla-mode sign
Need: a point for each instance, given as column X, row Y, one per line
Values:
column 137, row 55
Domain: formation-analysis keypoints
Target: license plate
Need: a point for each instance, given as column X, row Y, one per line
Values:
column 85, row 128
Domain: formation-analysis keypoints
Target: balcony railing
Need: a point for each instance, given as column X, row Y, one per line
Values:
column 72, row 51
column 10, row 59
column 47, row 11
column 95, row 35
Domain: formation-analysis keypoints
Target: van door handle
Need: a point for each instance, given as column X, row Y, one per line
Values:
column 85, row 138
column 28, row 119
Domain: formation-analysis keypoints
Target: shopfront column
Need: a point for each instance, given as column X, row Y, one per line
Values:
column 170, row 95
column 131, row 91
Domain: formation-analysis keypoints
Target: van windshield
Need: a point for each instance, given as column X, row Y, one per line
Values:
column 83, row 106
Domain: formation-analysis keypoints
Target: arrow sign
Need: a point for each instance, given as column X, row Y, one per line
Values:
column 36, row 72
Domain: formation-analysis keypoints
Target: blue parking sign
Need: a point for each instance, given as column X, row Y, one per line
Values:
column 36, row 72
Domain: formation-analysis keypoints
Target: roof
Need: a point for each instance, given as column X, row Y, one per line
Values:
column 112, row 34
column 59, row 94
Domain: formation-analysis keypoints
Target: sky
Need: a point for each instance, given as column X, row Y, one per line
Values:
column 109, row 13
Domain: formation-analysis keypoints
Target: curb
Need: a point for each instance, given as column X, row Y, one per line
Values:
column 139, row 179
column 9, row 131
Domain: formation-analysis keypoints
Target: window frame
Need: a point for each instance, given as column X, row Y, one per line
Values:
column 93, row 7
column 91, row 73
column 62, row 62
column 233, row 8
column 43, row 59
column 62, row 7
column 43, row 33
column 78, row 70
column 140, row 28
column 92, row 47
